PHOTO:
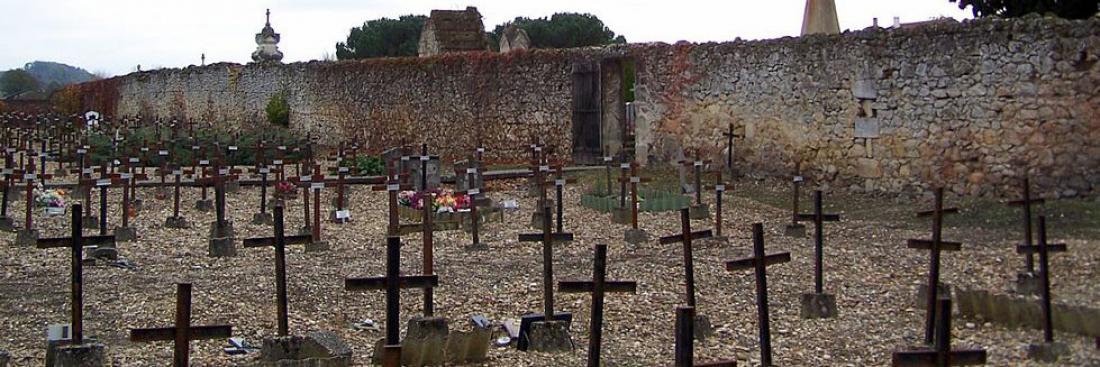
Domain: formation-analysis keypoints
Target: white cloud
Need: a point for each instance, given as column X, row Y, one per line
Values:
column 116, row 35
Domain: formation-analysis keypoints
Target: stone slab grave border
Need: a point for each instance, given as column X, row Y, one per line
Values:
column 1017, row 311
column 450, row 221
column 651, row 201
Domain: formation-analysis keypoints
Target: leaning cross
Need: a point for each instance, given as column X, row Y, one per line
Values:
column 819, row 217
column 598, row 286
column 279, row 242
column 942, row 355
column 76, row 243
column 1044, row 249
column 547, row 237
column 935, row 245
column 182, row 333
column 685, row 237
column 392, row 283
column 759, row 262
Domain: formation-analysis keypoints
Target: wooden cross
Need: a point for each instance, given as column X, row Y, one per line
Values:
column 559, row 187
column 547, row 238
column 1044, row 249
column 634, row 180
column 132, row 176
column 730, row 135
column 475, row 195
column 263, row 170
column 341, row 189
column 9, row 174
column 392, row 283
column 163, row 171
column 314, row 183
column 608, row 162
column 75, row 243
column 28, row 180
column 759, row 262
column 796, row 184
column 427, row 234
column 279, row 242
column 685, row 341
column 819, row 217
column 697, row 166
column 217, row 178
column 942, row 355
column 423, row 158
column 182, row 333
column 105, row 181
column 392, row 186
column 685, row 237
column 84, row 177
column 935, row 245
column 1025, row 204
column 719, row 188
column 178, row 173
column 624, row 172
column 598, row 286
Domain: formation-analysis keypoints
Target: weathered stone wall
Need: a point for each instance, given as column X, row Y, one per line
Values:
column 970, row 106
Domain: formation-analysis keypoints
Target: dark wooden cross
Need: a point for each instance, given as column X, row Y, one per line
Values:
column 28, row 179
column 263, row 170
column 547, row 237
column 1044, row 249
column 313, row 183
column 75, row 243
column 9, row 173
column 182, row 333
column 131, row 175
column 341, row 194
column 427, row 229
column 475, row 194
column 941, row 355
column 697, row 169
column 598, row 286
column 217, row 178
column 559, row 186
column 730, row 135
column 796, row 184
column 392, row 186
column 1025, row 204
column 685, row 341
column 392, row 283
column 634, row 180
column 759, row 263
column 685, row 237
column 104, row 182
column 719, row 188
column 819, row 217
column 424, row 157
column 178, row 173
column 162, row 172
column 608, row 163
column 279, row 242
column 624, row 172
column 935, row 245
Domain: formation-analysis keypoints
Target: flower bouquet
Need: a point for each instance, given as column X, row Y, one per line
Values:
column 53, row 200
column 286, row 190
column 444, row 200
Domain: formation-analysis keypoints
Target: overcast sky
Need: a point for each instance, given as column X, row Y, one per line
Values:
column 113, row 36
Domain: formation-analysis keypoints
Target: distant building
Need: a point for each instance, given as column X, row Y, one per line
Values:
column 453, row 31
column 267, row 44
column 514, row 38
column 820, row 18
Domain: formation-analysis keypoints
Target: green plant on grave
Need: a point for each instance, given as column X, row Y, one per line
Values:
column 366, row 166
column 278, row 111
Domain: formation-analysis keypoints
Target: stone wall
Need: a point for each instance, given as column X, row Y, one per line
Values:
column 971, row 106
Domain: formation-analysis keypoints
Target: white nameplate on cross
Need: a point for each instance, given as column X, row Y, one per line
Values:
column 29, row 176
column 471, row 171
column 265, row 170
column 144, row 149
column 342, row 170
column 607, row 159
column 798, row 179
column 481, row 150
column 305, row 179
column 720, row 188
column 277, row 161
column 134, row 160
column 103, row 182
column 472, row 192
column 86, row 171
column 126, row 176
column 559, row 182
column 424, row 158
column 544, row 168
column 698, row 163
column 162, row 152
column 81, row 151
column 223, row 171
column 204, row 162
column 194, row 147
column 624, row 165
column 635, row 179
column 177, row 172
column 232, row 147
column 393, row 187
column 317, row 186
column 343, row 214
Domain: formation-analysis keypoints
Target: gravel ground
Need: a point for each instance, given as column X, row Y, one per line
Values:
column 867, row 266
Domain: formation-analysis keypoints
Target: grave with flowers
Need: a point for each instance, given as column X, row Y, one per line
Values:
column 52, row 201
column 451, row 208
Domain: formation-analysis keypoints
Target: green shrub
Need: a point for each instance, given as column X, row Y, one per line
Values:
column 278, row 111
column 367, row 166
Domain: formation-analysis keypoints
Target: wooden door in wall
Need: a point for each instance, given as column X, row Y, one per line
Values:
column 587, row 142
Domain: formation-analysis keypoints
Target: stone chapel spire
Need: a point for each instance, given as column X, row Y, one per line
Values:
column 820, row 18
column 267, row 49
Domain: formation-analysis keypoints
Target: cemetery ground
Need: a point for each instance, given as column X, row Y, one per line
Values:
column 867, row 266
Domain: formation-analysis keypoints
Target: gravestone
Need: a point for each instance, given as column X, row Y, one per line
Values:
column 315, row 349
column 425, row 169
column 549, row 334
column 462, row 181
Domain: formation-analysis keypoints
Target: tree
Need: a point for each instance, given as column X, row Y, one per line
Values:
column 1071, row 9
column 562, row 30
column 383, row 38
column 17, row 81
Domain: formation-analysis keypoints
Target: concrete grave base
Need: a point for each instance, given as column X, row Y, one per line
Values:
column 701, row 211
column 469, row 346
column 125, row 234
column 1047, row 352
column 204, row 205
column 104, row 252
column 425, row 342
column 316, row 349
column 26, row 237
column 921, row 301
column 4, row 358
column 1017, row 311
column 222, row 232
column 549, row 337
column 635, row 236
column 794, row 230
column 317, row 246
column 1028, row 283
column 262, row 219
column 818, row 306
column 222, row 247
column 621, row 216
column 703, row 329
column 90, row 222
column 176, row 222
column 7, row 224
column 89, row 354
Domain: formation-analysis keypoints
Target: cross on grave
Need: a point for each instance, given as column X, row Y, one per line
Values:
column 1044, row 250
column 182, row 333
column 426, row 229
column 7, row 223
column 279, row 242
column 28, row 235
column 1027, row 281
column 819, row 304
column 104, row 181
column 941, row 355
column 392, row 186
column 719, row 188
column 313, row 183
column 598, row 286
column 796, row 229
column 935, row 245
column 221, row 230
column 230, row 154
column 392, row 283
column 559, row 186
column 176, row 221
column 422, row 183
column 608, row 163
column 759, row 263
column 699, row 210
column 75, row 243
column 130, row 165
column 43, row 156
column 201, row 168
column 685, row 342
column 538, row 175
column 162, row 172
column 685, row 237
column 128, row 179
column 341, row 214
column 730, row 135
column 634, row 235
column 475, row 194
column 263, row 217
column 85, row 182
column 547, row 237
